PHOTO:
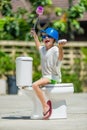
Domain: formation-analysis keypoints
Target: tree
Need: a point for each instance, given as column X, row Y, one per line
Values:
column 69, row 22
column 16, row 26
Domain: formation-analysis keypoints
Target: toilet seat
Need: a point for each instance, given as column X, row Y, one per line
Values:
column 60, row 88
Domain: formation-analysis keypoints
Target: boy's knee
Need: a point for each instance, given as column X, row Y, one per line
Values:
column 34, row 86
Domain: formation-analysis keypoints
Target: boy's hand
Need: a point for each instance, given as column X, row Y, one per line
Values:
column 62, row 42
column 33, row 33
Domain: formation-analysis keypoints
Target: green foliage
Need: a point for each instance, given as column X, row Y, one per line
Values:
column 58, row 11
column 40, row 2
column 72, row 78
column 69, row 23
column 84, row 51
column 60, row 25
column 84, row 79
column 75, row 77
column 5, row 7
column 73, row 13
column 76, row 11
column 6, row 63
column 75, row 28
column 83, row 3
column 16, row 26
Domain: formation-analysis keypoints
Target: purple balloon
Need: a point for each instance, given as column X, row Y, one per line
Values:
column 39, row 10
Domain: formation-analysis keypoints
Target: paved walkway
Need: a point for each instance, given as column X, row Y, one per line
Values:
column 15, row 114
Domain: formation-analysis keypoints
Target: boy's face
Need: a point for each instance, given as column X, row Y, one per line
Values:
column 48, row 41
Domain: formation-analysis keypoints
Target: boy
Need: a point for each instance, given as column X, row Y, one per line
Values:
column 51, row 57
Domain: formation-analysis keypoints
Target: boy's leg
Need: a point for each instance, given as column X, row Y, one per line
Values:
column 36, row 86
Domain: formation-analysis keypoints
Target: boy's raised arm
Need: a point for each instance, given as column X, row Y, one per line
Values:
column 37, row 42
column 61, row 43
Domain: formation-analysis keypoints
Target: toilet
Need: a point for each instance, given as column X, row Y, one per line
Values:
column 57, row 93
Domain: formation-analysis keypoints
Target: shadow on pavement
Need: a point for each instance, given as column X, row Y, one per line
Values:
column 17, row 118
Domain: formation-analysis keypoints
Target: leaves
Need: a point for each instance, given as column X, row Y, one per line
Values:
column 58, row 11
column 6, row 8
column 16, row 26
column 60, row 25
column 83, row 3
column 76, row 11
column 6, row 63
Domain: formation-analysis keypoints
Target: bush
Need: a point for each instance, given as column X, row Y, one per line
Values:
column 72, row 78
column 6, row 63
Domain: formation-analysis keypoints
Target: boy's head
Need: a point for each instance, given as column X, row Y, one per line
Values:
column 50, row 33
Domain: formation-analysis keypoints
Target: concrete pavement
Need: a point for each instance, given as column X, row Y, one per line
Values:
column 15, row 114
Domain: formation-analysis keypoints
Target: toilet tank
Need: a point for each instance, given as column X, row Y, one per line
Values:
column 24, row 71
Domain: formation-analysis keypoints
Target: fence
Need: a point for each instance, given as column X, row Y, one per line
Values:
column 72, row 51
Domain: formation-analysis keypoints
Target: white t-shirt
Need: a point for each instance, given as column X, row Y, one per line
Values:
column 51, row 66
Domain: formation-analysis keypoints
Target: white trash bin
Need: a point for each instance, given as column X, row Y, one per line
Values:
column 24, row 71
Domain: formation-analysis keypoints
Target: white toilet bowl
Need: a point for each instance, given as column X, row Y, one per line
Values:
column 57, row 93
